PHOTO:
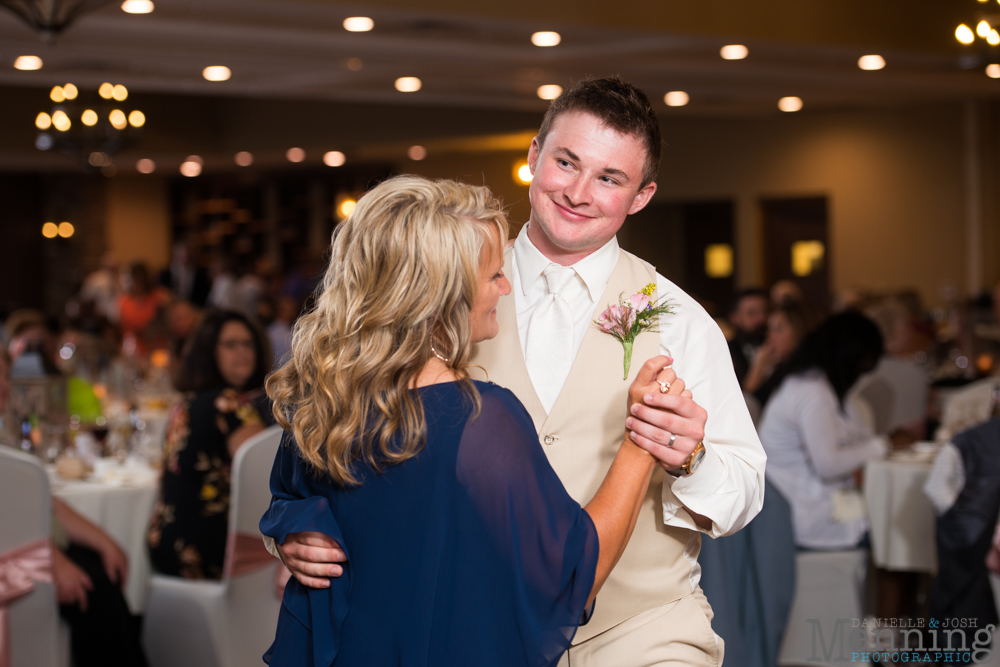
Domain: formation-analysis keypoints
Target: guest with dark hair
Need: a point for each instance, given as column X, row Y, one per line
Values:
column 748, row 315
column 222, row 373
column 786, row 328
column 815, row 440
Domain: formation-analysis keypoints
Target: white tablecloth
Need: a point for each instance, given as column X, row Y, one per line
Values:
column 123, row 511
column 901, row 516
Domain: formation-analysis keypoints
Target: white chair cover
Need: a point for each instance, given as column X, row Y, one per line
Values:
column 26, row 516
column 829, row 587
column 229, row 623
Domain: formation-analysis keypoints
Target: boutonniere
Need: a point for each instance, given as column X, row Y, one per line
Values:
column 633, row 316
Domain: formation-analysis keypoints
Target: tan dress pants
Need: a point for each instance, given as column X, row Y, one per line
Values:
column 678, row 633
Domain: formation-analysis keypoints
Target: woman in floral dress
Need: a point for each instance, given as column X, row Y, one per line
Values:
column 222, row 373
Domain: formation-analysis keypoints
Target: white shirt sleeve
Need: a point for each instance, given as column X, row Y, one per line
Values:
column 837, row 445
column 728, row 486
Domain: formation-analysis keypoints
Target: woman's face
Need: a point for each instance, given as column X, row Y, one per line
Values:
column 492, row 285
column 235, row 354
column 781, row 336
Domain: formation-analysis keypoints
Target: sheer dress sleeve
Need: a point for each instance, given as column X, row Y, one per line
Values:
column 294, row 509
column 548, row 540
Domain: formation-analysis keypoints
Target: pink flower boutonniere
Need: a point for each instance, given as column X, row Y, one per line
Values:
column 633, row 316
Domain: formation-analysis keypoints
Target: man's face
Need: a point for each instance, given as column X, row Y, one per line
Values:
column 587, row 178
column 750, row 316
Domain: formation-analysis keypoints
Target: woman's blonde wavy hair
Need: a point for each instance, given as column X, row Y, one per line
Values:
column 403, row 275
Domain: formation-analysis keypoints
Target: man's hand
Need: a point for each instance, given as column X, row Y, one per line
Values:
column 72, row 583
column 312, row 558
column 661, row 416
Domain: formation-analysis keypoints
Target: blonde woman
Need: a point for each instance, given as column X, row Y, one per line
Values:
column 462, row 545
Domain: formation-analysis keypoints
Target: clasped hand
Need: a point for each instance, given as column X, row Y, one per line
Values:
column 655, row 417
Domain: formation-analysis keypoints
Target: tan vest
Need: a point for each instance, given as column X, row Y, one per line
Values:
column 581, row 437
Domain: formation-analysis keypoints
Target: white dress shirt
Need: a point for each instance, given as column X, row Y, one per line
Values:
column 813, row 449
column 728, row 487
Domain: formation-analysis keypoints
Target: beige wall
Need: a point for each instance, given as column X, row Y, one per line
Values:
column 138, row 220
column 894, row 180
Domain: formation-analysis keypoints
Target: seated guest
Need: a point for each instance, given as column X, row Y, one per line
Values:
column 222, row 373
column 815, row 441
column 89, row 571
column 748, row 316
column 138, row 305
column 786, row 328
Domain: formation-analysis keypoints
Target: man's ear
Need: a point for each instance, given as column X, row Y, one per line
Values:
column 642, row 198
column 533, row 152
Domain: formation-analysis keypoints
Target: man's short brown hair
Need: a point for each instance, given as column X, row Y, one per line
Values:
column 621, row 106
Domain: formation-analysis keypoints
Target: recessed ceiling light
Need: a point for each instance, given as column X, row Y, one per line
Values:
column 334, row 158
column 243, row 158
column 734, row 52
column 295, row 155
column 216, row 73
column 137, row 6
column 190, row 167
column 28, row 63
column 549, row 91
column 993, row 71
column 790, row 104
column 676, row 98
column 358, row 24
column 354, row 64
column 871, row 63
column 408, row 84
column 145, row 166
column 546, row 38
column 416, row 153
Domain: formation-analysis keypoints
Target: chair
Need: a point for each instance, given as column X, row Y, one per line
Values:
column 829, row 588
column 36, row 639
column 227, row 623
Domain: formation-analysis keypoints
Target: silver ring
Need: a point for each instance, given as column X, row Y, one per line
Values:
column 673, row 437
column 664, row 386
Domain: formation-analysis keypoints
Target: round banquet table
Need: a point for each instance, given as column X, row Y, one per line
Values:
column 121, row 502
column 901, row 517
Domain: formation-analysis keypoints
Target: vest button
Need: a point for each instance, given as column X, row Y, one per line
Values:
column 548, row 440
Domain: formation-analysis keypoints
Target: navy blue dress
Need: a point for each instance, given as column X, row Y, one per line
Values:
column 470, row 553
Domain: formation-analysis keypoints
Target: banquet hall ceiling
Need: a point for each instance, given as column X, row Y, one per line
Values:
column 479, row 54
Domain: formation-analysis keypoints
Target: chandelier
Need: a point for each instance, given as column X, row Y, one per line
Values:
column 89, row 126
column 50, row 17
column 985, row 38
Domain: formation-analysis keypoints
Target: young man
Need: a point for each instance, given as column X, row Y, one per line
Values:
column 594, row 162
column 748, row 316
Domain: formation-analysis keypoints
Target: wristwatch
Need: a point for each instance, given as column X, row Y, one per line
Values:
column 691, row 463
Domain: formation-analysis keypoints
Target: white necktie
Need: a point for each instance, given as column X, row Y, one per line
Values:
column 548, row 350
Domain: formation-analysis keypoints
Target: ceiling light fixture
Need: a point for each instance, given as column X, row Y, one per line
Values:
column 871, row 63
column 676, row 98
column 416, row 153
column 145, row 166
column 987, row 23
column 408, row 84
column 49, row 18
column 549, row 91
column 546, row 38
column 243, row 158
column 28, row 63
column 734, row 52
column 358, row 24
column 216, row 73
column 993, row 71
column 295, row 155
column 334, row 158
column 790, row 104
column 137, row 7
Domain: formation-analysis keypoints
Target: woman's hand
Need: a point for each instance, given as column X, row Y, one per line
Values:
column 72, row 583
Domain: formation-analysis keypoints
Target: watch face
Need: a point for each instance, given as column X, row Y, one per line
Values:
column 697, row 460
